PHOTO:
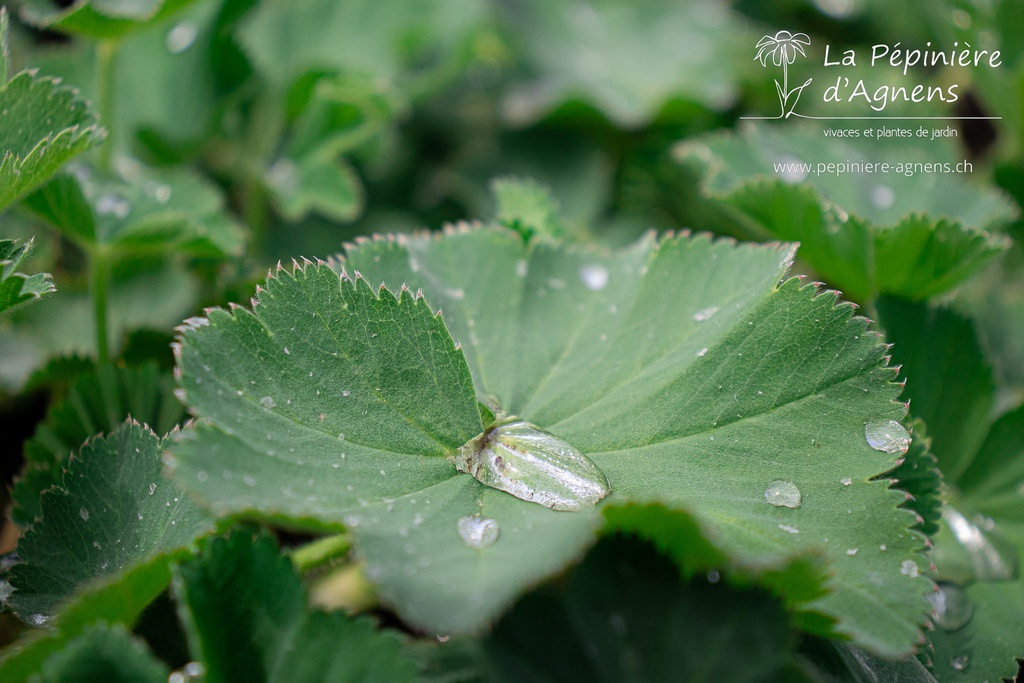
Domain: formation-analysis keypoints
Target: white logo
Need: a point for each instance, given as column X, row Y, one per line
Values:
column 782, row 48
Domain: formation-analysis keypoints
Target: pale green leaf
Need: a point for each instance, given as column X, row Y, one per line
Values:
column 681, row 367
column 42, row 125
column 17, row 288
column 140, row 210
column 411, row 44
column 274, row 637
column 108, row 19
column 628, row 60
column 328, row 187
column 149, row 295
column 909, row 231
column 114, row 510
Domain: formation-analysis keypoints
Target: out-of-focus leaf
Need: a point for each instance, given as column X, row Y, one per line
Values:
column 628, row 60
column 274, row 637
column 911, row 232
column 98, row 18
column 330, row 188
column 103, row 653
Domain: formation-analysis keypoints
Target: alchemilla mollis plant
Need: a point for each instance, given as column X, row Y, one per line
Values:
column 535, row 386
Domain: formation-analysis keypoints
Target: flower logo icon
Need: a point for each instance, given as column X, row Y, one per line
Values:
column 782, row 49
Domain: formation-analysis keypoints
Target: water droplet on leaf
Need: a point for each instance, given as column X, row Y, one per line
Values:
column 909, row 568
column 705, row 313
column 782, row 493
column 952, row 607
column 888, row 436
column 181, row 37
column 84, row 514
column 478, row 532
column 268, row 402
column 517, row 457
column 595, row 276
column 959, row 663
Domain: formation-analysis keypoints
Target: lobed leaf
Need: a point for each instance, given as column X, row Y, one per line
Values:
column 914, row 233
column 102, row 653
column 42, row 126
column 17, row 288
column 682, row 368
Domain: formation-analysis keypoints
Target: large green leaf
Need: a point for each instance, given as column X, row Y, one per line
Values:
column 626, row 615
column 274, row 637
column 17, row 288
column 681, row 367
column 42, row 125
column 115, row 511
column 95, row 403
column 909, row 231
column 628, row 60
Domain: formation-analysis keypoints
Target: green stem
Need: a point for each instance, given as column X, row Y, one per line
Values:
column 99, row 277
column 320, row 552
column 106, row 56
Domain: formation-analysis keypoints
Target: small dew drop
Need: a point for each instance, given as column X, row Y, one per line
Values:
column 852, row 551
column 201, row 475
column 341, row 437
column 910, row 568
column 714, row 576
column 789, row 529
column 846, row 481
column 478, row 532
column 287, row 352
column 84, row 514
column 705, row 313
column 112, row 204
column 522, row 268
column 703, row 352
column 782, row 493
column 952, row 607
column 152, row 488
column 181, row 37
column 268, row 402
column 792, row 172
column 345, row 392
column 249, row 480
column 888, row 436
column 959, row 663
column 39, row 619
column 595, row 276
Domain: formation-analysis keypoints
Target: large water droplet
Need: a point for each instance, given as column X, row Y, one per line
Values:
column 181, row 37
column 888, row 436
column 595, row 276
column 782, row 493
column 953, row 609
column 478, row 532
column 522, row 459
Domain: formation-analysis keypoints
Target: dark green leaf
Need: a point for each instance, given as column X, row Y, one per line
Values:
column 115, row 511
column 273, row 637
column 103, row 654
column 95, row 403
column 626, row 615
